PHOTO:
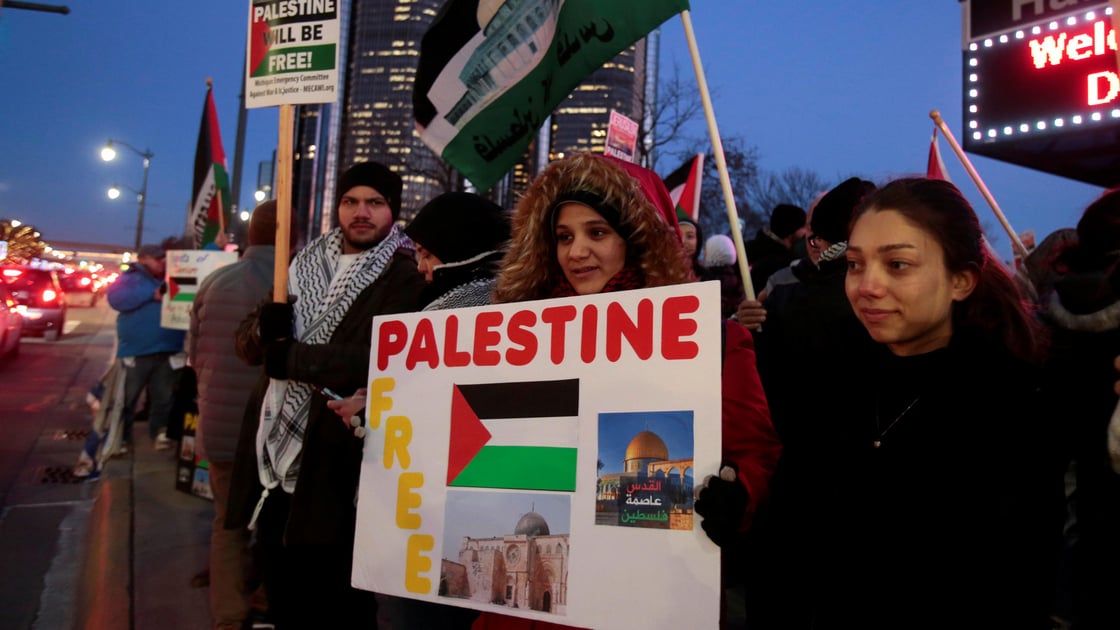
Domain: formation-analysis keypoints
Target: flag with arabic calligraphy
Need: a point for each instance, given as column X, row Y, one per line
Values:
column 210, row 196
column 489, row 425
column 491, row 72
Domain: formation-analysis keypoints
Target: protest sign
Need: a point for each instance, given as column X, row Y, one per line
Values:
column 622, row 138
column 186, row 269
column 293, row 52
column 537, row 459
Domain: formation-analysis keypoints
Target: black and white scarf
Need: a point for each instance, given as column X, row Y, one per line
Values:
column 321, row 302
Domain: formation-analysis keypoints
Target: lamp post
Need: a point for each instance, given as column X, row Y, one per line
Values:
column 108, row 154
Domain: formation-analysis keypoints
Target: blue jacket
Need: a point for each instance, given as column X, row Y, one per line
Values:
column 138, row 329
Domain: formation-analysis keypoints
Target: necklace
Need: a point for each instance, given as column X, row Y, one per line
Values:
column 879, row 439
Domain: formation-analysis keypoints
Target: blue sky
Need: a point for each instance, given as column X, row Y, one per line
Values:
column 839, row 88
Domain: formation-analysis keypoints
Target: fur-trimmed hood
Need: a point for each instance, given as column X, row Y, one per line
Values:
column 530, row 270
column 1083, row 302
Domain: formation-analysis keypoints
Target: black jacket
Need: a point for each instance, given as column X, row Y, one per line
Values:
column 322, row 510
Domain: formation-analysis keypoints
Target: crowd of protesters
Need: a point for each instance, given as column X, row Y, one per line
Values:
column 913, row 435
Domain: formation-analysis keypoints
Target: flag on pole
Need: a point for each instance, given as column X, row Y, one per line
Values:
column 211, row 196
column 490, row 73
column 935, row 166
column 684, row 186
column 514, row 435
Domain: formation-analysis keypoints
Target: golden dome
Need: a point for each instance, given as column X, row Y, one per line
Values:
column 646, row 445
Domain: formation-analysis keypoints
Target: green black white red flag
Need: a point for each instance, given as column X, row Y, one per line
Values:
column 210, row 199
column 490, row 73
column 684, row 186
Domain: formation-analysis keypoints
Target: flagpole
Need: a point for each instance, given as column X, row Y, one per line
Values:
column 1016, row 244
column 283, row 203
column 721, row 161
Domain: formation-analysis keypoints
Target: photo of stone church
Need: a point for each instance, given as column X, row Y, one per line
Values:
column 526, row 567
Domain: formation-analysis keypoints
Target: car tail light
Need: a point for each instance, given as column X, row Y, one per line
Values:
column 12, row 273
column 84, row 282
column 49, row 295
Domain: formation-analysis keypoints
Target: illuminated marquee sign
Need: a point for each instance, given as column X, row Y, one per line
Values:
column 1042, row 75
column 1043, row 78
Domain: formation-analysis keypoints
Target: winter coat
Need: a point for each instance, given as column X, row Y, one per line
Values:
column 132, row 295
column 1082, row 312
column 766, row 255
column 951, row 522
column 225, row 298
column 322, row 506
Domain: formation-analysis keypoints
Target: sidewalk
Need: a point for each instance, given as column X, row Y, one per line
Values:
column 146, row 541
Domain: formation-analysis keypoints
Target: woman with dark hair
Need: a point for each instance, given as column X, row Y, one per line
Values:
column 932, row 468
column 585, row 226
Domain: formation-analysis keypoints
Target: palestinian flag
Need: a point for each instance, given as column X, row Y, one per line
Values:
column 514, row 435
column 684, row 186
column 182, row 288
column 210, row 199
column 490, row 73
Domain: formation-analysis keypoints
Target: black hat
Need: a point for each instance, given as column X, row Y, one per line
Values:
column 786, row 219
column 375, row 176
column 833, row 212
column 458, row 226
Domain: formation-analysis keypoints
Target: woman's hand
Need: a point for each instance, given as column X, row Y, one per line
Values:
column 349, row 407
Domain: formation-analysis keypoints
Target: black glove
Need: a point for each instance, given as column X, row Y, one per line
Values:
column 276, row 321
column 722, row 503
column 276, row 359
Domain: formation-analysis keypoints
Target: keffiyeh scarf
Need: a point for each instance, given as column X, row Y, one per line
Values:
column 322, row 300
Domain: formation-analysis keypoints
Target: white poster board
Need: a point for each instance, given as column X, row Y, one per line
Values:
column 622, row 138
column 293, row 53
column 538, row 459
column 186, row 269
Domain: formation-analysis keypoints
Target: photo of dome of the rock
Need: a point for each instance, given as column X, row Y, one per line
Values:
column 514, row 552
column 645, row 470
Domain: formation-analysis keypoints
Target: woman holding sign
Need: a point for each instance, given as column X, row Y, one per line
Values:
column 585, row 226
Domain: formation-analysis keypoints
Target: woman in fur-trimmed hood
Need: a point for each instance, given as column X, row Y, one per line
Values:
column 530, row 272
column 586, row 226
column 1080, row 304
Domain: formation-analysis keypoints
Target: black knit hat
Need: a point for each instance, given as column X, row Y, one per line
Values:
column 458, row 226
column 375, row 176
column 833, row 212
column 786, row 219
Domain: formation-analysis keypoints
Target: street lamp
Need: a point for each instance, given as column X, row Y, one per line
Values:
column 108, row 154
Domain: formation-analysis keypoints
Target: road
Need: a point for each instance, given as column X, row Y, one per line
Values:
column 43, row 422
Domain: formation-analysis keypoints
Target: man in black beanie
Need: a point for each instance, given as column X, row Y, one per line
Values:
column 297, row 472
column 771, row 249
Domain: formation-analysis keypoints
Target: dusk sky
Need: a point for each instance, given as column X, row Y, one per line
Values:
column 839, row 88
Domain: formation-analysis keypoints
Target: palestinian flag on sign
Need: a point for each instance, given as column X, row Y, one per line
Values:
column 514, row 435
column 490, row 73
column 684, row 186
column 210, row 197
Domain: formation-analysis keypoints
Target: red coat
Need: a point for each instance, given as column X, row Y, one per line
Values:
column 749, row 440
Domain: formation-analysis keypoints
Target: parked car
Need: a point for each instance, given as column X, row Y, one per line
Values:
column 42, row 302
column 82, row 287
column 11, row 323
